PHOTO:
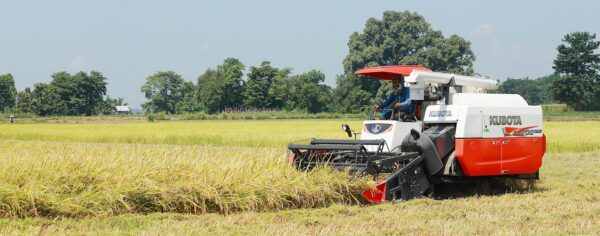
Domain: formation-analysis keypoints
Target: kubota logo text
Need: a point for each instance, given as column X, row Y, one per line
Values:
column 505, row 120
column 440, row 113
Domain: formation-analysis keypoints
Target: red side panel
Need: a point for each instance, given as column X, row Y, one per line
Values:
column 500, row 156
column 522, row 155
column 544, row 140
column 479, row 157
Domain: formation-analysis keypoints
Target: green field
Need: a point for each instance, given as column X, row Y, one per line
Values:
column 231, row 177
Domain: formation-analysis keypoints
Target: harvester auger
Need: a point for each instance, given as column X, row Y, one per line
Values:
column 456, row 132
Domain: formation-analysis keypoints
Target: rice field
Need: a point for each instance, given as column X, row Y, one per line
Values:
column 231, row 177
column 579, row 136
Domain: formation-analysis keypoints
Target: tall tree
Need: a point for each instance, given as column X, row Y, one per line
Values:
column 348, row 96
column 308, row 93
column 163, row 90
column 79, row 94
column 260, row 78
column 279, row 90
column 25, row 101
column 8, row 92
column 578, row 65
column 45, row 100
column 210, row 90
column 231, row 73
column 188, row 102
column 222, row 87
column 578, row 57
column 62, row 87
column 405, row 38
column 93, row 89
column 528, row 89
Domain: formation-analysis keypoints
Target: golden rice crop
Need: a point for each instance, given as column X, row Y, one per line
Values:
column 573, row 136
column 566, row 201
column 75, row 180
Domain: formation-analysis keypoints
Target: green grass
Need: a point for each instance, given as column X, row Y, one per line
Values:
column 230, row 177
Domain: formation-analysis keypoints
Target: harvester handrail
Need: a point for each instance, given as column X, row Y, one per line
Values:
column 327, row 147
column 371, row 113
column 337, row 141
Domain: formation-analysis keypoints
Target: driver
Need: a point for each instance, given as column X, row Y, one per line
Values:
column 398, row 103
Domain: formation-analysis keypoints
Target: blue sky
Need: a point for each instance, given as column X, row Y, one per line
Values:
column 130, row 40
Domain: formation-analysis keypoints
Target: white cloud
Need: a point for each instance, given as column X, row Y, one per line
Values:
column 78, row 63
column 487, row 29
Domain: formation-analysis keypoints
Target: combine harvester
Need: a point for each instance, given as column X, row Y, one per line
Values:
column 464, row 134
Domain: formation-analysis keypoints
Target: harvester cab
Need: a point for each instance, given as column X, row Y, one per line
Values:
column 456, row 131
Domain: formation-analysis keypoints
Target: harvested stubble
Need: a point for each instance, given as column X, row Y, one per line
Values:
column 79, row 180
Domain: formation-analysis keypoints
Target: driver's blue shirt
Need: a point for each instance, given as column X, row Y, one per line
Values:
column 403, row 98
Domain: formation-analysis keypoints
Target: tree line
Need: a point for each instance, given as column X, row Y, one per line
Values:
column 66, row 95
column 397, row 38
column 224, row 87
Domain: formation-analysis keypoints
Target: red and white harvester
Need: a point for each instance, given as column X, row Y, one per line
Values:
column 457, row 132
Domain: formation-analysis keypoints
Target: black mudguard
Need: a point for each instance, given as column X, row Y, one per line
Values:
column 425, row 147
